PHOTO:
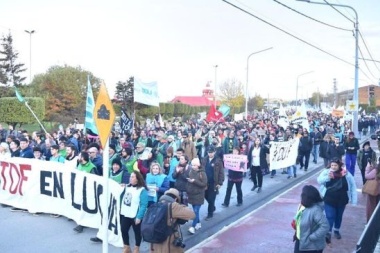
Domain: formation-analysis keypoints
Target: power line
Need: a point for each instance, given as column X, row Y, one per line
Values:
column 365, row 62
column 318, row 21
column 308, row 43
column 370, row 55
column 338, row 11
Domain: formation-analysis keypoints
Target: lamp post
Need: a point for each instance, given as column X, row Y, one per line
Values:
column 246, row 85
column 216, row 67
column 30, row 53
column 297, row 84
column 356, row 86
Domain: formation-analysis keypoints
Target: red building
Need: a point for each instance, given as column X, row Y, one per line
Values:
column 207, row 98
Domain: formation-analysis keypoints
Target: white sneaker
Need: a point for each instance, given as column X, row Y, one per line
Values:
column 198, row 226
column 191, row 230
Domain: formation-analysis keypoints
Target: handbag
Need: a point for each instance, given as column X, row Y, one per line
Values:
column 371, row 187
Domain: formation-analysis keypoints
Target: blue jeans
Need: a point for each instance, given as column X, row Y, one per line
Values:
column 315, row 152
column 292, row 170
column 334, row 216
column 350, row 163
column 196, row 209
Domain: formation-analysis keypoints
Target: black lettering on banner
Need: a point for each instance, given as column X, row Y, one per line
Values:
column 85, row 200
column 73, row 204
column 43, row 183
column 112, row 214
column 99, row 192
column 58, row 185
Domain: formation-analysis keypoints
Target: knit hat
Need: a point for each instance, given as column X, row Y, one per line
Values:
column 366, row 143
column 112, row 146
column 117, row 161
column 351, row 133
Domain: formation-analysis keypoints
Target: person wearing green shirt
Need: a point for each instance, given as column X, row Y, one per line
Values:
column 118, row 173
column 85, row 165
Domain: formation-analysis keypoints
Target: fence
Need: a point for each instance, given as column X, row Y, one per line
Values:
column 370, row 236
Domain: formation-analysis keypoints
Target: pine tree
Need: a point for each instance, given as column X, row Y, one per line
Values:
column 124, row 93
column 10, row 69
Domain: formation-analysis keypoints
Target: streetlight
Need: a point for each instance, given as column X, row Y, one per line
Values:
column 30, row 53
column 216, row 66
column 297, row 84
column 246, row 86
column 356, row 89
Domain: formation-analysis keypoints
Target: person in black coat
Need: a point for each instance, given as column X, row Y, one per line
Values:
column 304, row 150
column 324, row 148
column 257, row 163
column 336, row 149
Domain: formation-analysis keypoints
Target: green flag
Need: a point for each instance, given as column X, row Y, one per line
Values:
column 19, row 97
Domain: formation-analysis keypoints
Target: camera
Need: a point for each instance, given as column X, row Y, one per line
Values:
column 369, row 160
column 178, row 242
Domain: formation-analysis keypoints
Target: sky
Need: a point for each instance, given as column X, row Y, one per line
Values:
column 178, row 43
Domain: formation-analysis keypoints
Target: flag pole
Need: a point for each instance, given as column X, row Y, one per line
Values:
column 35, row 116
column 21, row 99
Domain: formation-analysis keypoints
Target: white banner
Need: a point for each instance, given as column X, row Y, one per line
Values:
column 146, row 93
column 58, row 188
column 283, row 154
column 235, row 162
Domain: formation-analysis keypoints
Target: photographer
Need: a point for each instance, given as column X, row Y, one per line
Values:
column 180, row 214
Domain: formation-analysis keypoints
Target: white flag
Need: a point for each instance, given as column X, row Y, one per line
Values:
column 146, row 93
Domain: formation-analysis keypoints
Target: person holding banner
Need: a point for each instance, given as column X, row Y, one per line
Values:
column 257, row 162
column 235, row 178
column 133, row 207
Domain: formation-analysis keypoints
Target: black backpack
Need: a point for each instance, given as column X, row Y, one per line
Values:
column 154, row 226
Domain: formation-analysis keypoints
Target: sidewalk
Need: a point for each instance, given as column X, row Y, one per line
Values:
column 268, row 229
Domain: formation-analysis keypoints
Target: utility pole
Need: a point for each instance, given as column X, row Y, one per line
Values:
column 335, row 94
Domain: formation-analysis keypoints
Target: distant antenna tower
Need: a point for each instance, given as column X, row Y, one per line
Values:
column 335, row 90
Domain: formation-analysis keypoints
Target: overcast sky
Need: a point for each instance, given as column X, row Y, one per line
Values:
column 178, row 42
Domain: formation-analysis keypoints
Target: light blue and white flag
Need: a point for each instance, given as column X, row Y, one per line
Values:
column 224, row 109
column 146, row 93
column 90, row 105
column 19, row 97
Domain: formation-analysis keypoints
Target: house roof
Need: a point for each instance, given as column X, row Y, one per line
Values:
column 193, row 100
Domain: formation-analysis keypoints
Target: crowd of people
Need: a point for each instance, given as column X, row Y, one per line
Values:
column 189, row 157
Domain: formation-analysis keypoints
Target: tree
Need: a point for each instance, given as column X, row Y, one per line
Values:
column 64, row 89
column 316, row 99
column 10, row 69
column 13, row 112
column 124, row 93
column 230, row 89
column 255, row 103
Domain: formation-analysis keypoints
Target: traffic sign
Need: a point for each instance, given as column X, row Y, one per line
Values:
column 104, row 115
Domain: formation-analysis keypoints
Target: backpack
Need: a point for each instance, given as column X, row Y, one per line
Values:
column 154, row 226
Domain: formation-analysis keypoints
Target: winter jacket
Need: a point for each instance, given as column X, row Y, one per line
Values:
column 335, row 151
column 352, row 146
column 360, row 158
column 196, row 189
column 306, row 144
column 218, row 170
column 178, row 212
column 190, row 150
column 323, row 178
column 313, row 228
column 181, row 178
